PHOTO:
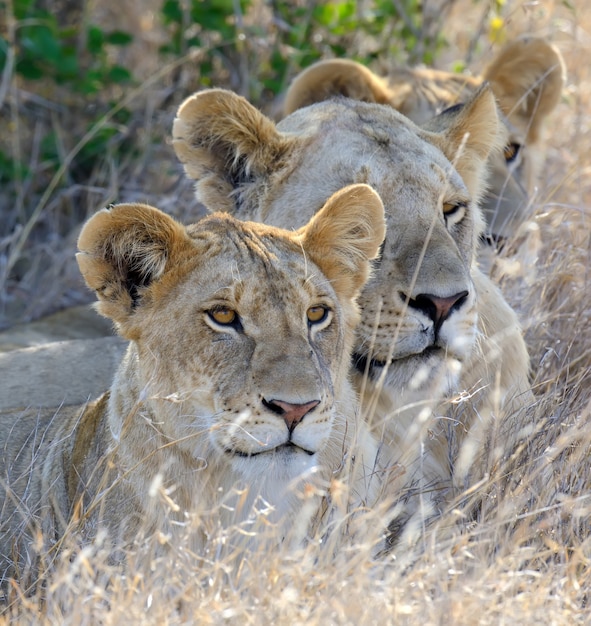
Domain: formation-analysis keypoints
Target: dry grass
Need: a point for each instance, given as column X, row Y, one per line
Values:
column 527, row 561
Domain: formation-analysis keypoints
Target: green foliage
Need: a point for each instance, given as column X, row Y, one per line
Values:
column 301, row 33
column 75, row 62
column 46, row 50
column 211, row 24
column 313, row 30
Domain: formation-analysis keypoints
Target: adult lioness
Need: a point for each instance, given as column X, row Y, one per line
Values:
column 236, row 378
column 432, row 324
column 526, row 76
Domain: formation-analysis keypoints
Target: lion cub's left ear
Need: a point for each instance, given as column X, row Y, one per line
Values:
column 123, row 250
column 345, row 235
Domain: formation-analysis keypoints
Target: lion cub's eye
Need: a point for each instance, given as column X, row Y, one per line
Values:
column 511, row 151
column 223, row 316
column 317, row 314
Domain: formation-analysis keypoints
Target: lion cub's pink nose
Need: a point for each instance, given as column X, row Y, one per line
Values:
column 292, row 414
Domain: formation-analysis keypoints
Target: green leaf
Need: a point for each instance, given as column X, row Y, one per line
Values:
column 91, row 82
column 41, row 42
column 95, row 38
column 69, row 32
column 334, row 13
column 458, row 66
column 29, row 68
column 118, row 74
column 68, row 67
column 98, row 144
column 49, row 149
column 172, row 12
column 118, row 38
column 3, row 49
column 21, row 8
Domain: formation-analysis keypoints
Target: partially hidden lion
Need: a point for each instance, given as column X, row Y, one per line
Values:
column 234, row 389
column 526, row 77
column 433, row 327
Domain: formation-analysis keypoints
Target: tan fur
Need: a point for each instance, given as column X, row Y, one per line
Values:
column 428, row 255
column 200, row 407
column 526, row 77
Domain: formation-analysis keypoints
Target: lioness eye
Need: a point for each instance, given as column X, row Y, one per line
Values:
column 450, row 208
column 511, row 151
column 317, row 314
column 223, row 316
column 453, row 212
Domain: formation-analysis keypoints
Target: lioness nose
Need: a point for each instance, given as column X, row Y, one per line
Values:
column 437, row 308
column 292, row 414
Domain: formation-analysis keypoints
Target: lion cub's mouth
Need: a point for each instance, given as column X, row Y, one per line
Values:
column 287, row 447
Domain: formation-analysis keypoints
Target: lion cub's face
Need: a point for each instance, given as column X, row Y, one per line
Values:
column 241, row 332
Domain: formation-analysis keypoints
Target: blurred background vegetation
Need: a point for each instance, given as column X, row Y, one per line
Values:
column 88, row 91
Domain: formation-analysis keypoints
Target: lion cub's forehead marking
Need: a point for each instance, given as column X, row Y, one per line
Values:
column 255, row 261
column 241, row 241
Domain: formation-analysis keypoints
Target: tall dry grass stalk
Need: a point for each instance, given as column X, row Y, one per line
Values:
column 525, row 558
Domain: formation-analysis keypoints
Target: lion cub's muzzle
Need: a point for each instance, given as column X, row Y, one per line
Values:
column 279, row 425
column 292, row 414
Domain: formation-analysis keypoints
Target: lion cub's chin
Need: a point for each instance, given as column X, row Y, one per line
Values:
column 284, row 463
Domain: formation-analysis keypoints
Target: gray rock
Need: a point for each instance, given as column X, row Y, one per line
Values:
column 79, row 322
column 56, row 373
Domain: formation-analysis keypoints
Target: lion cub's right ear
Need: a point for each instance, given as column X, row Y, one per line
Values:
column 123, row 250
column 335, row 77
column 345, row 235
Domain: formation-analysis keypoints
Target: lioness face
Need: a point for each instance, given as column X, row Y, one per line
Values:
column 419, row 307
column 241, row 332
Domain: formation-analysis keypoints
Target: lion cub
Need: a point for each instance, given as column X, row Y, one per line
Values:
column 234, row 388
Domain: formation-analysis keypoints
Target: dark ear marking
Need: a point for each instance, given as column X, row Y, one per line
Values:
column 123, row 250
column 224, row 143
column 136, row 279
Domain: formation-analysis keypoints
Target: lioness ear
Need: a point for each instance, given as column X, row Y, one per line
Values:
column 124, row 249
column 527, row 78
column 345, row 235
column 467, row 134
column 336, row 77
column 223, row 141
